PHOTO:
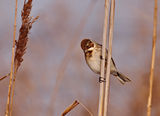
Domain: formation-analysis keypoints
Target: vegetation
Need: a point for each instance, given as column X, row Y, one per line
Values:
column 48, row 70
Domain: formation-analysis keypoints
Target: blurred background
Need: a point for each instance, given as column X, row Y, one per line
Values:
column 46, row 83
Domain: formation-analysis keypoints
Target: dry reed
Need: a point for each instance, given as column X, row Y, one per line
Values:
column 101, row 91
column 153, row 59
column 4, row 76
column 111, row 26
column 12, row 63
column 72, row 106
column 69, row 108
column 21, row 44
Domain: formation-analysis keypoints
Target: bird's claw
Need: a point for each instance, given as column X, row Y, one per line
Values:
column 102, row 79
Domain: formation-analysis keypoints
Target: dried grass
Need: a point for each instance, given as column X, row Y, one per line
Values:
column 27, row 22
column 4, row 76
column 104, row 92
column 12, row 64
column 107, row 86
column 101, row 91
column 153, row 59
column 69, row 108
column 21, row 46
column 72, row 106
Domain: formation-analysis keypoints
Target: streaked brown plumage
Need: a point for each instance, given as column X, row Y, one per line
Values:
column 93, row 56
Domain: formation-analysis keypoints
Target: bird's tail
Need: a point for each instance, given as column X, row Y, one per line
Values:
column 122, row 78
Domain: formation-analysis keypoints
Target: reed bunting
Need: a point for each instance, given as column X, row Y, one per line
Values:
column 93, row 56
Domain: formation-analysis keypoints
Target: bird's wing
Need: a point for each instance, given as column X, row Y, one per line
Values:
column 106, row 60
column 106, row 56
column 113, row 62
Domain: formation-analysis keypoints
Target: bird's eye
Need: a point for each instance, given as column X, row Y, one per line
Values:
column 87, row 46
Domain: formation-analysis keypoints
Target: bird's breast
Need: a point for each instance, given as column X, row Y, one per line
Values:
column 94, row 62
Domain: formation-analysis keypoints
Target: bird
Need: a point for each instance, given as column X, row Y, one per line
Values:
column 93, row 56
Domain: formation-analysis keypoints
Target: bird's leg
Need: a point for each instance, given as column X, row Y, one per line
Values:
column 102, row 79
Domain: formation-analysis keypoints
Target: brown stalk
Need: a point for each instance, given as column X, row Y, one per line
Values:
column 111, row 26
column 4, row 76
column 101, row 91
column 33, row 20
column 21, row 44
column 72, row 106
column 69, row 108
column 153, row 59
column 12, row 63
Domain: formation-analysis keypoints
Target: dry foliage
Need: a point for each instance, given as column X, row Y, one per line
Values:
column 132, row 55
column 73, row 105
column 153, row 59
column 21, row 46
column 102, row 73
column 107, row 85
column 69, row 108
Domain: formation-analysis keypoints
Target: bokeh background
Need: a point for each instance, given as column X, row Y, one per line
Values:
column 57, row 35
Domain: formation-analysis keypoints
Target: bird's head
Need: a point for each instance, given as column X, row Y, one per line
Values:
column 87, row 45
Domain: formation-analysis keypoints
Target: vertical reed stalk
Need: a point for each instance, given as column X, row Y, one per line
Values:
column 13, row 85
column 111, row 26
column 101, row 91
column 153, row 59
column 12, row 63
column 21, row 44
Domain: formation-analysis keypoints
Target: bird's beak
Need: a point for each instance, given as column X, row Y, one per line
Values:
column 90, row 49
